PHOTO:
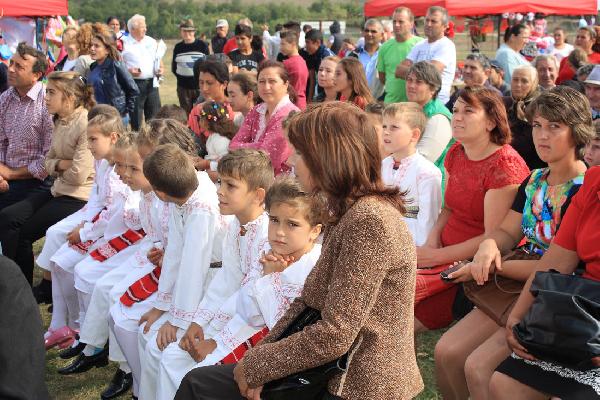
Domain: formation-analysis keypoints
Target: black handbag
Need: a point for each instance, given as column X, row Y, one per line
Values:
column 308, row 384
column 563, row 323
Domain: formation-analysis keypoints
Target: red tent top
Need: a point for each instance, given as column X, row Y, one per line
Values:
column 380, row 8
column 33, row 8
column 559, row 7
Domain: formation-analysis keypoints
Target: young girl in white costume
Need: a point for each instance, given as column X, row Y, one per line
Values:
column 102, row 133
column 274, row 281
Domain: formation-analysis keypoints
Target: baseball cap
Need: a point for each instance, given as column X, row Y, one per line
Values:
column 495, row 64
column 222, row 22
column 594, row 77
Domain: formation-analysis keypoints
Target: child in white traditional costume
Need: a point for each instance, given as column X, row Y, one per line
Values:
column 103, row 132
column 405, row 168
column 122, row 236
column 245, row 176
column 126, row 288
column 275, row 280
column 56, row 235
column 196, row 230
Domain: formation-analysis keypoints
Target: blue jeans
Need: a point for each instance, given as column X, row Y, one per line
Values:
column 20, row 189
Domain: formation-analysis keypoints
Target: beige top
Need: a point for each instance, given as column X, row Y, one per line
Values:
column 364, row 286
column 69, row 142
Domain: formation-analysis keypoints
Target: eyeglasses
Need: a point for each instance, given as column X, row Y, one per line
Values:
column 373, row 31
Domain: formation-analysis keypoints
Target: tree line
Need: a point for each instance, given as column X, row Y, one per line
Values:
column 163, row 16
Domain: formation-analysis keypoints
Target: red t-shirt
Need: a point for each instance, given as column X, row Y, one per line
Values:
column 230, row 45
column 579, row 230
column 566, row 71
column 298, row 73
column 469, row 181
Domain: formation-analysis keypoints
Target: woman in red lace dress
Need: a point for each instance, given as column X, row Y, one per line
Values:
column 484, row 172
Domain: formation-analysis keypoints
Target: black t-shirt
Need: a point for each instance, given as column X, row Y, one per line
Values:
column 217, row 43
column 3, row 77
column 248, row 62
column 184, row 57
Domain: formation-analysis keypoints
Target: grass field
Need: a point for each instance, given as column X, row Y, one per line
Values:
column 89, row 385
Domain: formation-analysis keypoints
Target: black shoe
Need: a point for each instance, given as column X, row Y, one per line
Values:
column 84, row 363
column 43, row 292
column 120, row 383
column 72, row 351
column 50, row 308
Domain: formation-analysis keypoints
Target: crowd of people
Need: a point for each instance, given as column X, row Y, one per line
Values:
column 366, row 185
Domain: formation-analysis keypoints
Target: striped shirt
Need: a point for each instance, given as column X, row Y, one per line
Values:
column 25, row 130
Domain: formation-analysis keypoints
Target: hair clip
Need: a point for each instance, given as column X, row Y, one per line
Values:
column 83, row 80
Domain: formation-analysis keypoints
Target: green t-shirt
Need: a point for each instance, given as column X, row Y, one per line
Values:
column 392, row 53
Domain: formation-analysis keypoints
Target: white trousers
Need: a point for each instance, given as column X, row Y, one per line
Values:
column 64, row 298
column 150, row 356
column 56, row 236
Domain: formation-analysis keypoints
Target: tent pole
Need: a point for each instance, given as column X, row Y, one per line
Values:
column 499, row 25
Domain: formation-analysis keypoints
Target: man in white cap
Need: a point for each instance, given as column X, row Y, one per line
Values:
column 592, row 91
column 218, row 41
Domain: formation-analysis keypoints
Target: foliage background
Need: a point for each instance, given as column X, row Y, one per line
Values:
column 163, row 16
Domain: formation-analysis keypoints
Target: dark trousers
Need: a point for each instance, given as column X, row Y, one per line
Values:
column 18, row 190
column 187, row 97
column 147, row 103
column 215, row 383
column 22, row 223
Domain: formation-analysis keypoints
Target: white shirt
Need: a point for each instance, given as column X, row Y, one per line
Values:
column 422, row 181
column 195, row 235
column 561, row 53
column 443, row 51
column 140, row 54
column 240, row 255
column 435, row 137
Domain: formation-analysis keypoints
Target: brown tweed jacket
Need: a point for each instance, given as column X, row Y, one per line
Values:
column 364, row 286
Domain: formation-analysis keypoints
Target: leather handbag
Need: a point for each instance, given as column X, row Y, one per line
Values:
column 563, row 323
column 498, row 296
column 308, row 384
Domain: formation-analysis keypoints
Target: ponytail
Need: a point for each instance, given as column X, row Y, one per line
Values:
column 88, row 100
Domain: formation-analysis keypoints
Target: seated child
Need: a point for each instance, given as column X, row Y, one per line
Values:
column 121, row 237
column 195, row 235
column 102, row 132
column 267, row 292
column 592, row 149
column 403, row 124
column 56, row 235
column 246, row 175
column 215, row 118
column 129, row 298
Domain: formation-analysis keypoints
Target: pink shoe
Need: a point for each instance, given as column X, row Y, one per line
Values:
column 62, row 338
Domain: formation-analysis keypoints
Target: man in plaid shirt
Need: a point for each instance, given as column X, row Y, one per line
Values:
column 25, row 128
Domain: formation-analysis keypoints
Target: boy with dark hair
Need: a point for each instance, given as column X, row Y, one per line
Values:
column 295, row 66
column 313, row 53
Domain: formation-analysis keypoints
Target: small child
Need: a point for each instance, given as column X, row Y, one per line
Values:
column 295, row 66
column 216, row 119
column 592, row 149
column 246, row 175
column 124, row 302
column 121, row 237
column 275, row 280
column 196, row 231
column 375, row 113
column 403, row 124
column 60, row 255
